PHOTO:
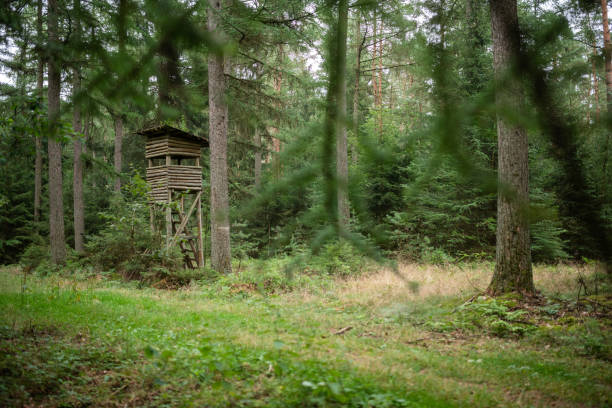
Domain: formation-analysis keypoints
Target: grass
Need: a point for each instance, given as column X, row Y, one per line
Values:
column 385, row 339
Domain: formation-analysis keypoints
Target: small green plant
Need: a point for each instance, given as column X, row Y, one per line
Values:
column 498, row 317
column 35, row 254
column 338, row 258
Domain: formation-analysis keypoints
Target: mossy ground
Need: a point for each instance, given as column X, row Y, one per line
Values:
column 384, row 339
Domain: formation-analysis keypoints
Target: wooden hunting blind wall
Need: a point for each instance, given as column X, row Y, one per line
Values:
column 175, row 176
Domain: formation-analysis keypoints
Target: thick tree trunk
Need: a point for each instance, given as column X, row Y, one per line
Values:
column 118, row 120
column 257, row 159
column 56, row 204
column 341, row 139
column 39, row 89
column 77, row 181
column 513, row 254
column 217, row 117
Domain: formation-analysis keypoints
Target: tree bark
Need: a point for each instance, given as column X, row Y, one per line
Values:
column 608, row 59
column 358, row 49
column 607, row 52
column 217, row 117
column 595, row 82
column 341, row 139
column 56, row 203
column 278, row 86
column 118, row 121
column 377, row 53
column 513, row 254
column 380, row 74
column 374, row 54
column 79, row 205
column 39, row 88
column 588, row 101
column 380, row 95
column 77, row 182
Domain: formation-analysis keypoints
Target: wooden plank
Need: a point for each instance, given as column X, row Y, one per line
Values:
column 184, row 221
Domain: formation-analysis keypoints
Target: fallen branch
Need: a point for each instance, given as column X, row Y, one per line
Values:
column 343, row 330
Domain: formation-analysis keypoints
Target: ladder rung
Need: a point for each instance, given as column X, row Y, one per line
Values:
column 187, row 238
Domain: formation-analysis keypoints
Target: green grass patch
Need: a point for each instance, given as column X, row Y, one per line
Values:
column 100, row 343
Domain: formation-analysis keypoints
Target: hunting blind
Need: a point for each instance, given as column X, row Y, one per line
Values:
column 175, row 178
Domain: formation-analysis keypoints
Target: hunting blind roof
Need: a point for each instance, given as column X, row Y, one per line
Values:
column 170, row 131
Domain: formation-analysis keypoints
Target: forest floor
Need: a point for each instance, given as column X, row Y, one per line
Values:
column 416, row 338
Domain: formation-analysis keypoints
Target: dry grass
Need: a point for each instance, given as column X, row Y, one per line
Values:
column 414, row 282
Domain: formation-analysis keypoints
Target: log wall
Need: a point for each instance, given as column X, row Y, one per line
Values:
column 163, row 145
column 163, row 178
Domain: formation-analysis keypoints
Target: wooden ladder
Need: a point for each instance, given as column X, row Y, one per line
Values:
column 187, row 242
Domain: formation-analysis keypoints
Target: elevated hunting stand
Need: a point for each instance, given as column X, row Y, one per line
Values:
column 175, row 176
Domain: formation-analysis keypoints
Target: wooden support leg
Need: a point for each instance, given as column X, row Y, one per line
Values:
column 169, row 220
column 184, row 218
column 200, row 243
column 152, row 217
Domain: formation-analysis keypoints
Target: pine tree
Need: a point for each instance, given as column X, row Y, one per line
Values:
column 77, row 184
column 217, row 118
column 513, row 254
column 56, row 201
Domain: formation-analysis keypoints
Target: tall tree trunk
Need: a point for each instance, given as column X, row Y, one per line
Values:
column 513, row 254
column 217, row 118
column 607, row 53
column 381, row 47
column 56, row 203
column 341, row 119
column 373, row 68
column 588, row 101
column 358, row 48
column 169, row 80
column 118, row 121
column 278, row 86
column 608, row 59
column 377, row 52
column 257, row 159
column 39, row 89
column 77, row 182
column 595, row 82
column 77, row 185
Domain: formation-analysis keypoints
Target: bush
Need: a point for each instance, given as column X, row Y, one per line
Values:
column 338, row 258
column 35, row 254
column 164, row 278
column 126, row 244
